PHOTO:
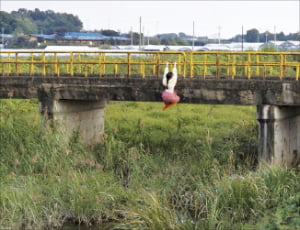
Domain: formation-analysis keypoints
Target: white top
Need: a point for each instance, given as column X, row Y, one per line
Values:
column 172, row 82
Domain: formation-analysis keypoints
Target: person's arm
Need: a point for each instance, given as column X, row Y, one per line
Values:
column 164, row 80
column 173, row 80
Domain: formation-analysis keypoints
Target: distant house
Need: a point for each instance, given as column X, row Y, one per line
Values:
column 283, row 45
column 290, row 45
column 273, row 44
column 5, row 38
column 215, row 47
column 43, row 37
column 238, row 46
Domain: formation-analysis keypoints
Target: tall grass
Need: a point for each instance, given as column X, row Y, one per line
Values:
column 191, row 167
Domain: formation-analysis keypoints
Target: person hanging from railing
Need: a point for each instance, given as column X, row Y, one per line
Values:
column 169, row 80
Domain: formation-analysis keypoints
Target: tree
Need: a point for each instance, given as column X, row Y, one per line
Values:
column 110, row 33
column 48, row 22
column 280, row 36
column 7, row 22
column 252, row 35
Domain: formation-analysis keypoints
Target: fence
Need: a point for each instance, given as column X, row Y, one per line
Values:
column 150, row 64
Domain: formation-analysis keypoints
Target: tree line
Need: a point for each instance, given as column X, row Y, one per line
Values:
column 26, row 21
column 35, row 21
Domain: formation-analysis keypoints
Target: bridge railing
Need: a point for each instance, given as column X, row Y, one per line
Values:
column 150, row 63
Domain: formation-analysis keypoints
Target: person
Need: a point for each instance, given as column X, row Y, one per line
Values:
column 169, row 80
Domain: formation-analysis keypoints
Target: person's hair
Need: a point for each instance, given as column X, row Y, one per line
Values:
column 169, row 76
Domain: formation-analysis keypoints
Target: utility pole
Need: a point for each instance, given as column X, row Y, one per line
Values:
column 143, row 43
column 219, row 34
column 157, row 36
column 193, row 40
column 242, row 38
column 140, row 41
column 2, row 37
column 131, row 36
column 275, row 37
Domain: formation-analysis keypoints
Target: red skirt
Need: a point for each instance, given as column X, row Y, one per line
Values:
column 170, row 98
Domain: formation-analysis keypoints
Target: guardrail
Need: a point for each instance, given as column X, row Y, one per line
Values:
column 150, row 63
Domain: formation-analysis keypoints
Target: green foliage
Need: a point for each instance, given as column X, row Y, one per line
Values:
column 268, row 49
column 252, row 35
column 7, row 22
column 47, row 22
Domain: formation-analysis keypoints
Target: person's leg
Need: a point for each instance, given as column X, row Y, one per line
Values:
column 168, row 105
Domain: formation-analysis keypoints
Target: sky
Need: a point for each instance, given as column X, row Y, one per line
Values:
column 201, row 18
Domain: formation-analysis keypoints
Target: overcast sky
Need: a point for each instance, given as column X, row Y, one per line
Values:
column 209, row 17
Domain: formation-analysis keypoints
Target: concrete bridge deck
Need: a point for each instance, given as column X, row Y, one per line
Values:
column 191, row 90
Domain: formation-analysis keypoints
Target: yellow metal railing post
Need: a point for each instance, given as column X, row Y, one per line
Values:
column 79, row 65
column 284, row 65
column 99, row 64
column 271, row 70
column 154, row 62
column 71, row 64
column 16, row 64
column 249, row 67
column 158, row 65
column 56, row 71
column 257, row 64
column 204, row 66
column 191, row 65
column 92, row 69
column 178, row 62
column 217, row 66
column 184, row 65
column 233, row 70
column 297, row 72
column 281, row 67
column 44, row 64
column 2, row 65
column 227, row 65
column 31, row 65
column 85, row 70
column 9, row 64
column 143, row 70
column 128, row 64
column 265, row 72
column 104, row 66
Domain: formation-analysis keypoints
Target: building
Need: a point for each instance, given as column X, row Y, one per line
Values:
column 80, row 37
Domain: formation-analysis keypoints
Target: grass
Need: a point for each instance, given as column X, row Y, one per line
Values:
column 191, row 167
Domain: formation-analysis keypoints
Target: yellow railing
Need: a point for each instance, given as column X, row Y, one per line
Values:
column 150, row 63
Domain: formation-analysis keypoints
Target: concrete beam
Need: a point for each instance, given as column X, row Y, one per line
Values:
column 190, row 90
column 279, row 134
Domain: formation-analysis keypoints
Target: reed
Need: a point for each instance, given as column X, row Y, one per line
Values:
column 192, row 167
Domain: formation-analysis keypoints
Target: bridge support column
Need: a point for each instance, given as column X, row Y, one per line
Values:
column 84, row 118
column 279, row 134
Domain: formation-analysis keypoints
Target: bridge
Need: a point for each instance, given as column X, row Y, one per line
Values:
column 74, row 87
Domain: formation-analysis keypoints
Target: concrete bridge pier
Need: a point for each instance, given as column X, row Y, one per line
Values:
column 82, row 118
column 279, row 134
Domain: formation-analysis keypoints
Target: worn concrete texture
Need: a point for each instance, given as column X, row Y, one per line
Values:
column 279, row 134
column 85, row 119
column 190, row 90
